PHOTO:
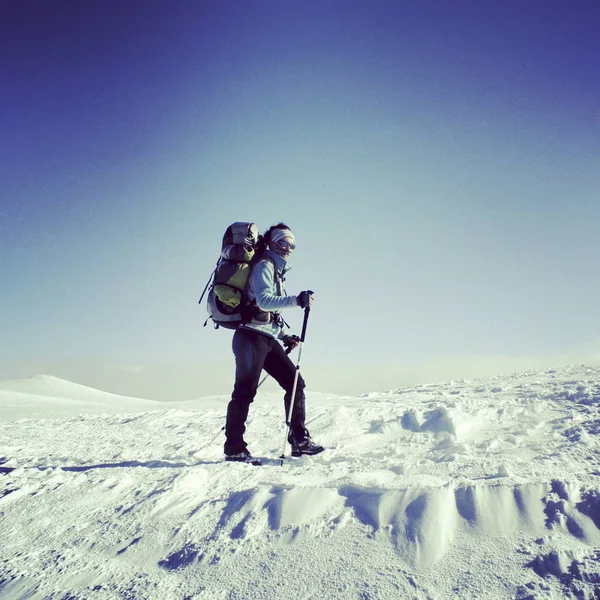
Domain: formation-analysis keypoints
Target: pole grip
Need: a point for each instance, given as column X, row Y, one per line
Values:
column 305, row 322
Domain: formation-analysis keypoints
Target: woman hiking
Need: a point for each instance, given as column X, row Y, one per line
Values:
column 256, row 346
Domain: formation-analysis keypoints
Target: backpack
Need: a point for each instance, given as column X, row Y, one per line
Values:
column 226, row 302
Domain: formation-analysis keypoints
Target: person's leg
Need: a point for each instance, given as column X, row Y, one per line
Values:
column 249, row 349
column 282, row 369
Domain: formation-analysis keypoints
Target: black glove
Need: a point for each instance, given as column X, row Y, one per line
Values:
column 304, row 299
column 290, row 341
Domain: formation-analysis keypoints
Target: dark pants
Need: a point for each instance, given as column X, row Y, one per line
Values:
column 254, row 352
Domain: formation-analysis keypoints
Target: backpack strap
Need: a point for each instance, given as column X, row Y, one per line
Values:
column 211, row 278
column 252, row 311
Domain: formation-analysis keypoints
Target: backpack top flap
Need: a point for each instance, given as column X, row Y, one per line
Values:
column 240, row 234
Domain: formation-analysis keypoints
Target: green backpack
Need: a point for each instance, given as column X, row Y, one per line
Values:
column 226, row 303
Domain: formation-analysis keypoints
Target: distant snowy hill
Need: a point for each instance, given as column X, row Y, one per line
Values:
column 45, row 396
column 466, row 489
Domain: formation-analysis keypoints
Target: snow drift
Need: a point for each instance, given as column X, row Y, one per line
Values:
column 457, row 490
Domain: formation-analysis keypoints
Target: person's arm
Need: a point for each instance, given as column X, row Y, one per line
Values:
column 265, row 289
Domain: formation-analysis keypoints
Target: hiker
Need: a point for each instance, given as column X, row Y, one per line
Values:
column 256, row 346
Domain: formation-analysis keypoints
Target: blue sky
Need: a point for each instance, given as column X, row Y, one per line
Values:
column 439, row 163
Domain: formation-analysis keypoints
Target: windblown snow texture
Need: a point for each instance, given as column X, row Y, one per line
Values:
column 468, row 489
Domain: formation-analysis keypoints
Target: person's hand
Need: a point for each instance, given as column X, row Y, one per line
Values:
column 290, row 341
column 305, row 299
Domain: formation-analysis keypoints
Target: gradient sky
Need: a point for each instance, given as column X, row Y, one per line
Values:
column 438, row 161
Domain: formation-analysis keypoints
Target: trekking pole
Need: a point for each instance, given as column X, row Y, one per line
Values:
column 208, row 282
column 289, row 415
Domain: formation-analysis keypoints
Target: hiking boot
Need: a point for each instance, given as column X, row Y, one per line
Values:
column 243, row 456
column 304, row 445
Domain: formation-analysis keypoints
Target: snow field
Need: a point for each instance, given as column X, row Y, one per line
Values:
column 457, row 490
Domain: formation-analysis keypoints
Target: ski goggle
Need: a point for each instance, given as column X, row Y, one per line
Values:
column 284, row 245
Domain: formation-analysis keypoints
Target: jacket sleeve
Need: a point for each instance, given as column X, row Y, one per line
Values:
column 265, row 288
